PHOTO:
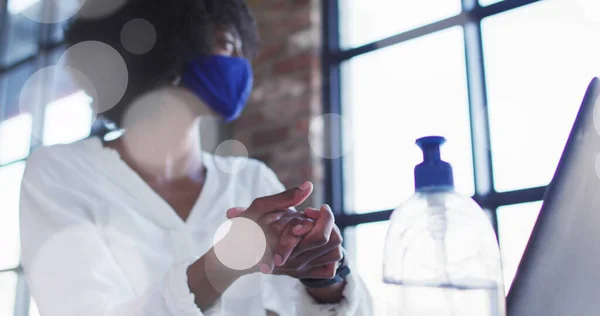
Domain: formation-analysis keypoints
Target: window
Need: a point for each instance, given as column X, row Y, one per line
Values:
column 386, row 18
column 527, row 146
column 20, row 34
column 68, row 109
column 501, row 80
column 400, row 109
column 15, row 137
column 25, row 47
column 368, row 242
column 10, row 180
column 8, row 289
column 515, row 223
column 33, row 309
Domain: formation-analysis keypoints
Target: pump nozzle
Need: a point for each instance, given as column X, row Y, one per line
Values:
column 431, row 147
column 432, row 171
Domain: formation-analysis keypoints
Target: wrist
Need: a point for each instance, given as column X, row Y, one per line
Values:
column 208, row 278
column 329, row 291
column 328, row 295
column 342, row 271
column 218, row 274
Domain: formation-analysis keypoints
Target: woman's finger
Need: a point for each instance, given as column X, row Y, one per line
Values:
column 333, row 256
column 290, row 238
column 320, row 233
column 278, row 241
column 312, row 213
column 268, row 219
column 235, row 212
column 266, row 264
column 270, row 222
column 274, row 230
column 284, row 200
column 304, row 259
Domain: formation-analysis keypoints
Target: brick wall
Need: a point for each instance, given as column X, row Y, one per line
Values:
column 287, row 94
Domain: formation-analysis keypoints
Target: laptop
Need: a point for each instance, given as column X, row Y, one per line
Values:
column 559, row 274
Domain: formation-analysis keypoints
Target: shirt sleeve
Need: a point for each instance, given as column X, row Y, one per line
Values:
column 288, row 297
column 356, row 300
column 70, row 269
column 267, row 181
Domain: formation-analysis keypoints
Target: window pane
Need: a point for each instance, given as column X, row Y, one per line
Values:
column 8, row 289
column 15, row 138
column 369, row 240
column 393, row 96
column 515, row 223
column 539, row 60
column 10, row 187
column 21, row 34
column 363, row 21
column 68, row 115
column 33, row 309
column 68, row 119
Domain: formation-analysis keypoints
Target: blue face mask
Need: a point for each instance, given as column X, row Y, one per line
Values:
column 223, row 82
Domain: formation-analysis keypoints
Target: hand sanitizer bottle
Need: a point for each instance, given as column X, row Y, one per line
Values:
column 441, row 249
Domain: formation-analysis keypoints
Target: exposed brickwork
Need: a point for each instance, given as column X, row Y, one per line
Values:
column 287, row 95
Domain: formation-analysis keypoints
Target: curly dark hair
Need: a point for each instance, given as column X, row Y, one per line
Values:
column 184, row 30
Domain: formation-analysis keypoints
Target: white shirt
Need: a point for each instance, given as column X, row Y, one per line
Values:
column 97, row 240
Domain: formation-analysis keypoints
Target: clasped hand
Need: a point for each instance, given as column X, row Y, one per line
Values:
column 299, row 244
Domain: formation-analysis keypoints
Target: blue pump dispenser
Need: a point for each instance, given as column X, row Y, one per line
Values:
column 433, row 171
column 441, row 255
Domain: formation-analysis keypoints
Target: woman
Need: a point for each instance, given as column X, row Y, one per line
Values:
column 131, row 226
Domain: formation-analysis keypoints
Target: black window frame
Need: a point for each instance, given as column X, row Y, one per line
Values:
column 334, row 55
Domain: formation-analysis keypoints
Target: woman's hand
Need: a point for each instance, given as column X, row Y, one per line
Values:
column 315, row 256
column 298, row 248
column 318, row 252
column 283, row 226
column 209, row 276
column 294, row 247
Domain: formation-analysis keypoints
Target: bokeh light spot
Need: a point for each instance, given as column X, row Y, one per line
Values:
column 138, row 36
column 237, row 155
column 57, row 85
column 105, row 69
column 242, row 247
column 158, row 125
